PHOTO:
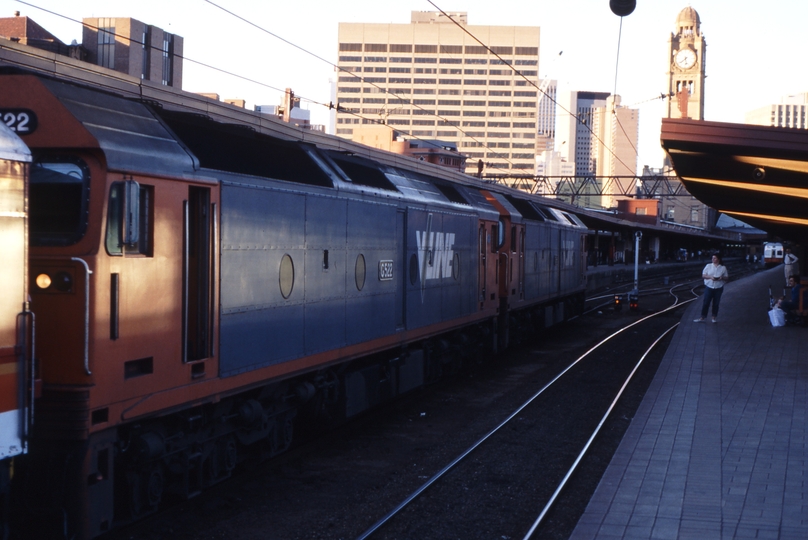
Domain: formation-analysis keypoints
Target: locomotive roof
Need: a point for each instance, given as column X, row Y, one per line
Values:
column 128, row 133
column 138, row 134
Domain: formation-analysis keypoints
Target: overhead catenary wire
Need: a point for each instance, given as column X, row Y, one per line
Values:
column 519, row 73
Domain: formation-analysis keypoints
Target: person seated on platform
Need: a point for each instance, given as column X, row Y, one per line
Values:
column 793, row 303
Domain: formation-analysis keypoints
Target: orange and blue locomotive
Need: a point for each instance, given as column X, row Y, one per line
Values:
column 203, row 278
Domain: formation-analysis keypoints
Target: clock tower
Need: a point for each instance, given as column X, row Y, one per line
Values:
column 686, row 63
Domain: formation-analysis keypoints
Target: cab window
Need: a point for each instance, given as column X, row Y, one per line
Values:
column 59, row 201
column 129, row 219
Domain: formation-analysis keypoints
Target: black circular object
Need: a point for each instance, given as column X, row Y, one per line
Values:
column 621, row 8
column 63, row 282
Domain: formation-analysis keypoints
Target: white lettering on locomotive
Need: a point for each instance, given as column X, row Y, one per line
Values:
column 569, row 253
column 435, row 254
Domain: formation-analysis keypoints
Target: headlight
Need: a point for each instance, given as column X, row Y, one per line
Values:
column 43, row 281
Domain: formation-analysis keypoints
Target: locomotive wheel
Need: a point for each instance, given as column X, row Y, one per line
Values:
column 145, row 490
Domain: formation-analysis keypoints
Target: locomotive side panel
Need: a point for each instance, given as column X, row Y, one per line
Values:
column 570, row 245
column 372, row 252
column 533, row 236
column 434, row 285
column 262, row 269
column 459, row 297
column 326, row 267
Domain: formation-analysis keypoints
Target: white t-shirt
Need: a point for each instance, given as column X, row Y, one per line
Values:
column 715, row 271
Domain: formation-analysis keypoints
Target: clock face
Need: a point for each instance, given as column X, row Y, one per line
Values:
column 686, row 58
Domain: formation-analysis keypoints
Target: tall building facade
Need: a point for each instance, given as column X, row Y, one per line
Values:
column 618, row 133
column 546, row 117
column 575, row 135
column 135, row 48
column 430, row 79
column 599, row 136
column 687, row 51
column 790, row 112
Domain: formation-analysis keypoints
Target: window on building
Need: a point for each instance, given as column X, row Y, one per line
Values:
column 146, row 49
column 106, row 47
column 694, row 214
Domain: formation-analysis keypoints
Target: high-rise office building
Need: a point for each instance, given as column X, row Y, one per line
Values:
column 575, row 135
column 617, row 130
column 790, row 112
column 599, row 136
column 430, row 79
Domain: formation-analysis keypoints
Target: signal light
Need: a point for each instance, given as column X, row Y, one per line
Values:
column 633, row 302
column 618, row 302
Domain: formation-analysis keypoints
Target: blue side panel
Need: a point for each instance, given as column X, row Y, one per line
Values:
column 370, row 317
column 436, row 290
column 424, row 229
column 459, row 290
column 324, row 325
column 532, row 251
column 545, row 261
column 326, row 219
column 259, row 327
column 254, row 339
column 371, row 298
column 570, row 259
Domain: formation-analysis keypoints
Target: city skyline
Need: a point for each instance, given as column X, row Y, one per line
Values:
column 752, row 52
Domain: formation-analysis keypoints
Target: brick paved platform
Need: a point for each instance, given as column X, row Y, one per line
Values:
column 718, row 447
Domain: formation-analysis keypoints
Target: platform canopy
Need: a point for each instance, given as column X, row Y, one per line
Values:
column 757, row 174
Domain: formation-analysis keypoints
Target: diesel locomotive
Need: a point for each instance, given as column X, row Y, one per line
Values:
column 204, row 278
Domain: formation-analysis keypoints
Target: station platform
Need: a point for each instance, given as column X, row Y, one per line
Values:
column 718, row 448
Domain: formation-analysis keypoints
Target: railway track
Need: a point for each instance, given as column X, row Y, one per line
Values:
column 453, row 482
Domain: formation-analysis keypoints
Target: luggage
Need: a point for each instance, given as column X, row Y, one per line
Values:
column 777, row 317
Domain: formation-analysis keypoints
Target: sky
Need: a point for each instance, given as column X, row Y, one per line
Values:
column 756, row 51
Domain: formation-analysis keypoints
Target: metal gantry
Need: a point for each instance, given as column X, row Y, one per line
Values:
column 647, row 186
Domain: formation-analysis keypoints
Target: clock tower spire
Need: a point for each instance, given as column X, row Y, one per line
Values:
column 686, row 65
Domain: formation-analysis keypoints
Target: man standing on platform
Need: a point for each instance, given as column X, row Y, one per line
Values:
column 791, row 265
column 714, row 275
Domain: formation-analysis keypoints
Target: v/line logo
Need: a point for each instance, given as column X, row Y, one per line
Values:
column 435, row 254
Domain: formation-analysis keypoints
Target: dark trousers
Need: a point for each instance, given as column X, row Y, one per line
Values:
column 714, row 296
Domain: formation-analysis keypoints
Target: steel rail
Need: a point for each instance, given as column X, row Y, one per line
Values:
column 437, row 476
column 595, row 433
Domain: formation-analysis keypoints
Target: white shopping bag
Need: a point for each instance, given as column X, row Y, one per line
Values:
column 777, row 317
